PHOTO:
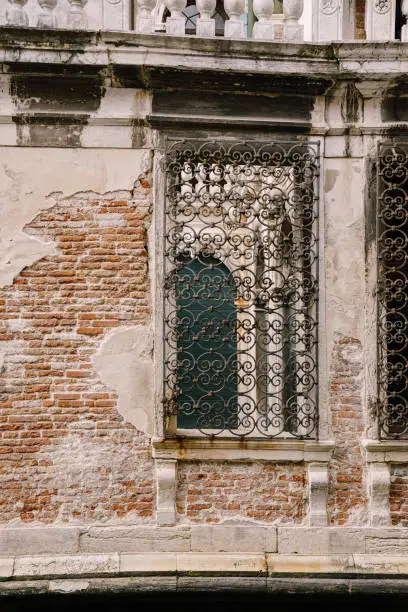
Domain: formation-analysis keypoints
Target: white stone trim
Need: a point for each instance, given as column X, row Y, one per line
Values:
column 318, row 493
column 333, row 20
column 380, row 19
column 379, row 454
column 379, row 494
column 166, row 471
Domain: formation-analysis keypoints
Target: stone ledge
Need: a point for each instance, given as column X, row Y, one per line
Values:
column 299, row 564
column 61, row 569
column 233, row 536
column 47, row 566
column 170, row 584
column 238, row 450
column 387, row 451
column 221, row 564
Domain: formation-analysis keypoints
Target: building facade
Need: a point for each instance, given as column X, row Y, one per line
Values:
column 203, row 293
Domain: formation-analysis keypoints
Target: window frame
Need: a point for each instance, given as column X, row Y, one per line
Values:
column 392, row 158
column 172, row 430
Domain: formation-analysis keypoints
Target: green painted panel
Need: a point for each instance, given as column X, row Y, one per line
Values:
column 207, row 345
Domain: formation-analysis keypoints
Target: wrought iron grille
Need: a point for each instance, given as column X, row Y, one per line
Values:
column 392, row 249
column 240, row 293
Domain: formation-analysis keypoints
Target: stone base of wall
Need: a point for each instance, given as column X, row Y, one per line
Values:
column 234, row 556
column 274, row 573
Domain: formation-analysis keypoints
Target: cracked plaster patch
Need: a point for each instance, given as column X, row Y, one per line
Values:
column 124, row 362
column 31, row 181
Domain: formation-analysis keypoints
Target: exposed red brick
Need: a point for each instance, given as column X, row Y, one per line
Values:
column 274, row 493
column 347, row 501
column 65, row 452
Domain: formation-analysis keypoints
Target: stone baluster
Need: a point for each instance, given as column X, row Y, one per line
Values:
column 205, row 23
column 292, row 30
column 176, row 23
column 234, row 26
column 77, row 19
column 16, row 13
column 264, row 28
column 144, row 19
column 46, row 18
column 404, row 30
column 333, row 20
column 380, row 19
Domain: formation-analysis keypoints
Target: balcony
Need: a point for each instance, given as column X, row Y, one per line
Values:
column 274, row 20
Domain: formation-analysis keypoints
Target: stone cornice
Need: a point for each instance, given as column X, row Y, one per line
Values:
column 320, row 63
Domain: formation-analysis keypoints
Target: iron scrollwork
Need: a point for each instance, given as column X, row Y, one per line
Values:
column 392, row 248
column 240, row 295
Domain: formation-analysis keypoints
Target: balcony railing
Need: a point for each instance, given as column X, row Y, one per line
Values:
column 284, row 20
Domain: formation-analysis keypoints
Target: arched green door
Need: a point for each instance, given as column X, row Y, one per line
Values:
column 206, row 345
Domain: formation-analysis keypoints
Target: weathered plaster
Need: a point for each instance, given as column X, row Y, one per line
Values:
column 344, row 247
column 113, row 124
column 124, row 362
column 31, row 180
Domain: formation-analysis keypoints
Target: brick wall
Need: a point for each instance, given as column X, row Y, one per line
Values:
column 347, row 501
column 360, row 33
column 399, row 495
column 65, row 452
column 213, row 492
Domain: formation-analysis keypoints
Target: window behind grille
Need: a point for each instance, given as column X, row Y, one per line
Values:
column 240, row 322
column 206, row 345
column 392, row 248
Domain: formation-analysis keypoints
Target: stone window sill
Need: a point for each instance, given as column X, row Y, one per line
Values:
column 385, row 451
column 237, row 450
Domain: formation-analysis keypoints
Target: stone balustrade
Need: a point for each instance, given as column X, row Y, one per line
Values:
column 70, row 14
column 314, row 20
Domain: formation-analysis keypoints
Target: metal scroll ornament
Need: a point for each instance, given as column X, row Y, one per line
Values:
column 240, row 294
column 392, row 247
